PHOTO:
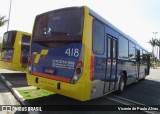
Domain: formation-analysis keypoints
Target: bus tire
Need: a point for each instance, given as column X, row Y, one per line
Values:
column 122, row 85
column 145, row 74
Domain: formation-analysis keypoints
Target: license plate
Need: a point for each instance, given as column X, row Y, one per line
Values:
column 49, row 70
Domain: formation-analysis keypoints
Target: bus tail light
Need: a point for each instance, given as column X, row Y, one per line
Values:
column 29, row 64
column 29, row 61
column 77, row 72
column 80, row 64
column 75, row 78
column 92, row 66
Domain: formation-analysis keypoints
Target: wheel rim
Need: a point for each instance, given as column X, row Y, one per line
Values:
column 122, row 86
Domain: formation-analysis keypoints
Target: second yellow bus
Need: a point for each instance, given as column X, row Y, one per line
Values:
column 15, row 49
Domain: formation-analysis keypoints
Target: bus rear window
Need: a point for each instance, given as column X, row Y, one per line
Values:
column 59, row 25
column 25, row 42
column 9, row 39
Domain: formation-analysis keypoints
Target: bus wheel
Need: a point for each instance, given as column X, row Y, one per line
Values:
column 145, row 74
column 122, row 85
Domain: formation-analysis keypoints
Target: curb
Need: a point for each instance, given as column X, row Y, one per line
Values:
column 14, row 92
column 19, row 97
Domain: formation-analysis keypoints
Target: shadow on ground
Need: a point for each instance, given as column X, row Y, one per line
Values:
column 16, row 79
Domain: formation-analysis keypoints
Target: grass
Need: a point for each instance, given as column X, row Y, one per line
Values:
column 44, row 97
column 34, row 93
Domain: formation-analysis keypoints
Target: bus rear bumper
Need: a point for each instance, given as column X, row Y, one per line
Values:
column 79, row 91
column 11, row 66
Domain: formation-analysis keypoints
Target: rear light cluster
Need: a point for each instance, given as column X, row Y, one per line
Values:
column 7, row 55
column 29, row 61
column 29, row 64
column 77, row 72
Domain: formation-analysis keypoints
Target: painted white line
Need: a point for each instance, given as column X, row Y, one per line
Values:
column 129, row 102
column 8, row 84
column 17, row 95
column 3, row 78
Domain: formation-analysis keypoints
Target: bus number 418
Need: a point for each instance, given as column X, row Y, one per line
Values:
column 72, row 52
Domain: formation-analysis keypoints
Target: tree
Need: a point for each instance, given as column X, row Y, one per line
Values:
column 3, row 20
column 158, row 44
column 153, row 44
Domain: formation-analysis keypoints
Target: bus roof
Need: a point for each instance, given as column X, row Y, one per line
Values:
column 18, row 31
column 96, row 15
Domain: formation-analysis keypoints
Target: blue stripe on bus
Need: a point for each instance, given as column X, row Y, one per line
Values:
column 63, row 64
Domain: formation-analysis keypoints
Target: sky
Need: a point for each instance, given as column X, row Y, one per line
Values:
column 137, row 18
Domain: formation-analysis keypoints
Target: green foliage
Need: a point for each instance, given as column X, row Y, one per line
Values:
column 3, row 20
column 154, row 42
column 34, row 93
column 158, row 42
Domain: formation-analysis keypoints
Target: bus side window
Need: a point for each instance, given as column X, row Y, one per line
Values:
column 25, row 48
column 144, row 56
column 123, row 47
column 132, row 51
column 98, row 37
column 138, row 55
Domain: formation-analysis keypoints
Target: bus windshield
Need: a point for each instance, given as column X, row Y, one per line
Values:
column 9, row 39
column 59, row 25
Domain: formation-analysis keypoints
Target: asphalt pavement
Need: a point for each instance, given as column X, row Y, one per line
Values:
column 146, row 92
column 6, row 98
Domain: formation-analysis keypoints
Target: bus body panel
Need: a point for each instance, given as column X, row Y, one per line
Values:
column 15, row 64
column 101, row 73
column 71, row 90
column 103, row 80
column 83, row 85
column 55, row 61
column 127, row 65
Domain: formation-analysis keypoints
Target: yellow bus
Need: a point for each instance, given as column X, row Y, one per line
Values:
column 15, row 50
column 77, row 53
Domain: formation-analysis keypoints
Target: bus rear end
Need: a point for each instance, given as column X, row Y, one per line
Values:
column 8, row 46
column 56, row 61
column 7, row 51
column 15, row 48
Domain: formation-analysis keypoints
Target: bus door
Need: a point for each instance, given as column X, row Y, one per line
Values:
column 148, row 64
column 25, row 46
column 111, row 64
column 138, row 62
